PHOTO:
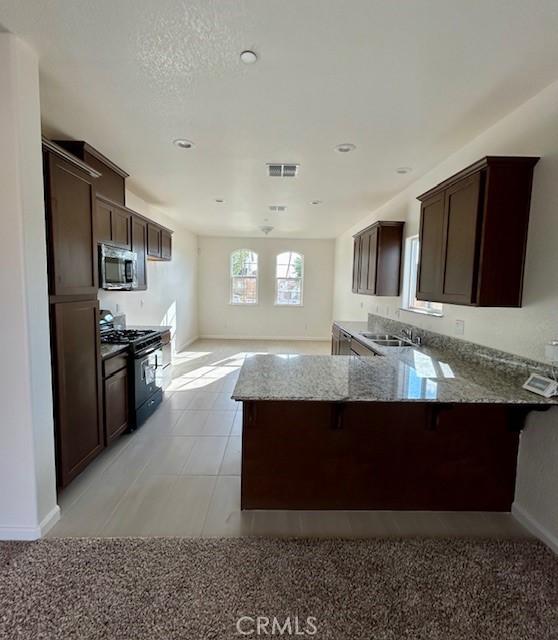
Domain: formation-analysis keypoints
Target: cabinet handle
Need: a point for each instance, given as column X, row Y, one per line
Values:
column 337, row 416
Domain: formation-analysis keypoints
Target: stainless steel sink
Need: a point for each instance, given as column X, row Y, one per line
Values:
column 397, row 342
column 377, row 336
column 386, row 340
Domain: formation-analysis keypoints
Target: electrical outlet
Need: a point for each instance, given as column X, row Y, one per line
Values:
column 459, row 329
column 142, row 303
column 117, row 308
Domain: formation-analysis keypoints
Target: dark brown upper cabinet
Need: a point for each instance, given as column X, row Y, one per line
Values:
column 111, row 182
column 377, row 259
column 72, row 243
column 473, row 234
column 166, row 245
column 159, row 242
column 113, row 224
column 153, row 241
column 139, row 245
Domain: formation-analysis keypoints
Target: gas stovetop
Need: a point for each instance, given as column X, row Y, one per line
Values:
column 126, row 336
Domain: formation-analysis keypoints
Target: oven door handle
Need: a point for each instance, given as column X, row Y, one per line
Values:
column 147, row 352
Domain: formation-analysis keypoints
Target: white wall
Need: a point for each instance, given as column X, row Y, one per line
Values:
column 27, row 479
column 530, row 130
column 265, row 320
column 171, row 295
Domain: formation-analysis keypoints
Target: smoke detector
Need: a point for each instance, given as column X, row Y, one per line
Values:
column 266, row 228
column 282, row 170
column 277, row 208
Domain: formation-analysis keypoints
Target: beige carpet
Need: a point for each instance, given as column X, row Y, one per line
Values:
column 196, row 589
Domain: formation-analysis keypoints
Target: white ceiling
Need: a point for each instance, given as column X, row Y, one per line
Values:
column 408, row 82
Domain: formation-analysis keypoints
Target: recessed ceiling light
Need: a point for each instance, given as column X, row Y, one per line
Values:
column 403, row 170
column 345, row 147
column 248, row 57
column 219, row 200
column 316, row 202
column 182, row 143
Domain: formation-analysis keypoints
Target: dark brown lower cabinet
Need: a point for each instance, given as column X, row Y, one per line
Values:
column 77, row 386
column 116, row 402
column 379, row 455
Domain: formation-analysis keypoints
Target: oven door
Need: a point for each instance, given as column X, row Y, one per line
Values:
column 118, row 268
column 146, row 375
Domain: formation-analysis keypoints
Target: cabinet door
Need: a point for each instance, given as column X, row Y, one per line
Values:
column 103, row 222
column 429, row 278
column 356, row 263
column 368, row 255
column 121, row 228
column 153, row 241
column 73, row 244
column 363, row 262
column 166, row 245
column 76, row 368
column 139, row 246
column 116, row 405
column 460, row 240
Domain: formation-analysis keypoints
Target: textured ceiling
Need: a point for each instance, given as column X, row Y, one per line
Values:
column 407, row 82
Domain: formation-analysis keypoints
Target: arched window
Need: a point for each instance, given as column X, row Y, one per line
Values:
column 289, row 275
column 244, row 277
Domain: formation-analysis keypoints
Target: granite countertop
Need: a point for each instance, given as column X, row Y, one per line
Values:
column 111, row 350
column 405, row 374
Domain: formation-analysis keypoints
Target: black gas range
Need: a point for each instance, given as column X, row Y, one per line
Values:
column 149, row 365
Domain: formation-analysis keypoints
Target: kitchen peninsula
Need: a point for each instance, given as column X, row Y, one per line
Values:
column 423, row 428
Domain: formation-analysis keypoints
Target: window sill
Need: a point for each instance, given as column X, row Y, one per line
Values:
column 288, row 306
column 243, row 304
column 423, row 312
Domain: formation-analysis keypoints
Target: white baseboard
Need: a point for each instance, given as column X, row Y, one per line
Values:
column 31, row 533
column 537, row 529
column 280, row 338
column 50, row 520
column 187, row 344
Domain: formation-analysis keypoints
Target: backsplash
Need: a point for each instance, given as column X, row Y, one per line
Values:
column 506, row 362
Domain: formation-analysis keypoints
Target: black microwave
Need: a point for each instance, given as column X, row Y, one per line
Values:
column 117, row 268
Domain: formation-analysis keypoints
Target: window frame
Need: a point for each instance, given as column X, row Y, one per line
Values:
column 277, row 278
column 233, row 277
column 412, row 249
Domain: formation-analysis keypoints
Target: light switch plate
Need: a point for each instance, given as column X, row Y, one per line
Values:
column 459, row 327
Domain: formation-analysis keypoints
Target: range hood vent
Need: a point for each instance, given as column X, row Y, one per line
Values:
column 282, row 170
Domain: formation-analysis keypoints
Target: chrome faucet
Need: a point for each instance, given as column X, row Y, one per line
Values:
column 412, row 336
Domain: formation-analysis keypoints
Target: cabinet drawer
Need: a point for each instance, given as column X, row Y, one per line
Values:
column 114, row 364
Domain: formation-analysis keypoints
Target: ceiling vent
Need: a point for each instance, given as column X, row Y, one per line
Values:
column 281, row 170
column 277, row 208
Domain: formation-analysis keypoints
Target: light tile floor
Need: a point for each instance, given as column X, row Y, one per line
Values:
column 179, row 474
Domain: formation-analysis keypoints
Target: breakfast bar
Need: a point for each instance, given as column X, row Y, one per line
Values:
column 415, row 428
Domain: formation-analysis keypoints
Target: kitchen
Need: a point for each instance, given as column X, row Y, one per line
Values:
column 339, row 329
